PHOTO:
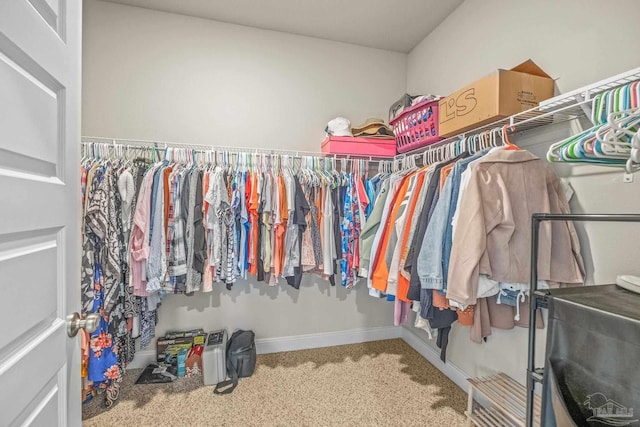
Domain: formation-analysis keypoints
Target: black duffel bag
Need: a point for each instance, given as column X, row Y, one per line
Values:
column 241, row 360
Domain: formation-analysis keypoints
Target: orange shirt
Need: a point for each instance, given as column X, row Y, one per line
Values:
column 278, row 252
column 253, row 220
column 403, row 282
column 380, row 274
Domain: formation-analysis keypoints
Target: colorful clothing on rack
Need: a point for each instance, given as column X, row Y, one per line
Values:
column 432, row 237
column 154, row 230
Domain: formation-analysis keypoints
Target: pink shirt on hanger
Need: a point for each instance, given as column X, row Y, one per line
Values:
column 139, row 241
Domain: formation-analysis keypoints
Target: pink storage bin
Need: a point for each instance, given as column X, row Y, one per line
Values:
column 366, row 147
column 417, row 126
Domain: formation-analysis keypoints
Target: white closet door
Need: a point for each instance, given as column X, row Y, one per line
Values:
column 40, row 50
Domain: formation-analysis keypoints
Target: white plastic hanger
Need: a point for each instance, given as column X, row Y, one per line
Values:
column 633, row 163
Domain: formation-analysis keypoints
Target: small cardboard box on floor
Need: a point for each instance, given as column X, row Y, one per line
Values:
column 498, row 95
column 167, row 349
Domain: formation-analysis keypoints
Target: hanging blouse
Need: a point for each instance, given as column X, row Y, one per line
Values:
column 299, row 213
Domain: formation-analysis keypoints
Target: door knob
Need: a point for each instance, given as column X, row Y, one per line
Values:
column 75, row 323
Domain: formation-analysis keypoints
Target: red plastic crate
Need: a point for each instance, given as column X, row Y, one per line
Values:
column 373, row 147
column 417, row 126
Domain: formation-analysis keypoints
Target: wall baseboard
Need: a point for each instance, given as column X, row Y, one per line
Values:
column 326, row 339
column 299, row 342
column 454, row 373
column 142, row 359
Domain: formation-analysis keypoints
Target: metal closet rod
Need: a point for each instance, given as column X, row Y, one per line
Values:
column 143, row 143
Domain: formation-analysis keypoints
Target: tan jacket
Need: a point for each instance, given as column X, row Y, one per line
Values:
column 493, row 234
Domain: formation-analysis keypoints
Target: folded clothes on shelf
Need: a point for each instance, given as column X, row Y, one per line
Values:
column 373, row 128
column 408, row 101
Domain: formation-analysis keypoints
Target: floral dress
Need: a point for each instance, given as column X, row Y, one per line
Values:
column 350, row 228
column 104, row 290
column 347, row 234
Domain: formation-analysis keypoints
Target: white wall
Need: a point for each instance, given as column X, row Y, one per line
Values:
column 153, row 75
column 157, row 75
column 578, row 42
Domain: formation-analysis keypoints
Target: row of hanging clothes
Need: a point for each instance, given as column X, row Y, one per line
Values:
column 181, row 220
column 450, row 240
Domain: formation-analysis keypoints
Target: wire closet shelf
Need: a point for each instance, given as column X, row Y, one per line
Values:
column 570, row 106
column 104, row 147
column 204, row 148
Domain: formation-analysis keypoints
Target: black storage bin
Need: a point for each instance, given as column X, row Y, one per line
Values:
column 592, row 362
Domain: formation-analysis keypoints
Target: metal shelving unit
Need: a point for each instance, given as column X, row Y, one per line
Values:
column 539, row 298
column 508, row 402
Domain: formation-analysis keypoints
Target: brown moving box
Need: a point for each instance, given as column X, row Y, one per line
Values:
column 498, row 95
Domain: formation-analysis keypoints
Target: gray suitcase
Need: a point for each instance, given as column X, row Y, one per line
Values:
column 214, row 364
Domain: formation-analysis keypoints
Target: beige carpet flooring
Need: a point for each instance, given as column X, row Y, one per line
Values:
column 382, row 383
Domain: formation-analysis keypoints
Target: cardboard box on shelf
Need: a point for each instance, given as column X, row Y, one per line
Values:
column 498, row 95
